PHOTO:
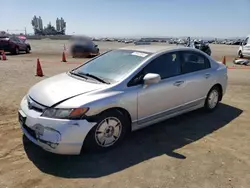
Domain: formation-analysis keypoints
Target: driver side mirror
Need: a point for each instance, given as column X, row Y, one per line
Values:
column 96, row 45
column 151, row 78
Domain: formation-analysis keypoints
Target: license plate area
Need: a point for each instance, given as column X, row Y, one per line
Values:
column 21, row 118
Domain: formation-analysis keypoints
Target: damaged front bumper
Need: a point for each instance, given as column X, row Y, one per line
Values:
column 54, row 135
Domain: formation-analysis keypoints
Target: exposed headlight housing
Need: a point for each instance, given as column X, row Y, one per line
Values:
column 62, row 113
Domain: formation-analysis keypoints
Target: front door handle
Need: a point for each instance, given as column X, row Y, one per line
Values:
column 178, row 83
column 207, row 75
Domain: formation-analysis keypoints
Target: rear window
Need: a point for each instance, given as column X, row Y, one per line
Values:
column 82, row 41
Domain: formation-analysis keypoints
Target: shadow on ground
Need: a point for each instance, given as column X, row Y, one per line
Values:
column 11, row 54
column 156, row 140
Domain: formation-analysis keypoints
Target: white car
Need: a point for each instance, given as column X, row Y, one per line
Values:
column 97, row 104
column 244, row 49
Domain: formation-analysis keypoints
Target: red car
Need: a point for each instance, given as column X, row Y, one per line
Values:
column 14, row 44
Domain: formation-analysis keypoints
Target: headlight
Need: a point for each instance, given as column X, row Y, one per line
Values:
column 70, row 113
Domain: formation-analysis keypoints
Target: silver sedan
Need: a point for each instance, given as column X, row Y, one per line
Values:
column 98, row 103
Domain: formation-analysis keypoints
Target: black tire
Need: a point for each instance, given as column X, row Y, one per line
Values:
column 209, row 52
column 27, row 50
column 240, row 55
column 73, row 54
column 92, row 143
column 208, row 107
column 15, row 51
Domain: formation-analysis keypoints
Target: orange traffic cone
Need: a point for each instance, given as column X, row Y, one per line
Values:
column 64, row 57
column 39, row 71
column 224, row 60
column 4, row 56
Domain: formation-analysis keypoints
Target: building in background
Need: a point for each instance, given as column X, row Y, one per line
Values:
column 60, row 25
column 40, row 23
column 37, row 24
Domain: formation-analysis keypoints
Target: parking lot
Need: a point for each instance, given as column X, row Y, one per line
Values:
column 190, row 151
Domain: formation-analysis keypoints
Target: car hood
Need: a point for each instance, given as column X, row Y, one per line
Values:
column 60, row 88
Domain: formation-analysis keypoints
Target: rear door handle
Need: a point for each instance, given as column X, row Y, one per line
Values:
column 178, row 83
column 207, row 75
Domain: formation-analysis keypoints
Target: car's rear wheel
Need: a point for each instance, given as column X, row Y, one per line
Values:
column 240, row 55
column 110, row 130
column 15, row 51
column 212, row 100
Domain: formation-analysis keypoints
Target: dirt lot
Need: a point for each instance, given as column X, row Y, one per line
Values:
column 195, row 150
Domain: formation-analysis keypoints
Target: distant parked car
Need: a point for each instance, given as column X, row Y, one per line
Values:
column 203, row 47
column 98, row 103
column 14, row 44
column 139, row 42
column 128, row 41
column 200, row 45
column 83, row 47
column 244, row 49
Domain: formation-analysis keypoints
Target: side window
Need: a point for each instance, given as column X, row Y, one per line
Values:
column 167, row 65
column 18, row 40
column 13, row 39
column 246, row 41
column 192, row 62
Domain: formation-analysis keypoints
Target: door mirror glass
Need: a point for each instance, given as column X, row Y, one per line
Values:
column 151, row 78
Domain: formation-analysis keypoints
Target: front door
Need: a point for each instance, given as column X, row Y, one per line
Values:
column 156, row 99
column 21, row 44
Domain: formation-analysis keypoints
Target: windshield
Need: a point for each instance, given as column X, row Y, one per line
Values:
column 114, row 65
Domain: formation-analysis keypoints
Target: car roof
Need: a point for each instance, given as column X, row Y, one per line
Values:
column 152, row 48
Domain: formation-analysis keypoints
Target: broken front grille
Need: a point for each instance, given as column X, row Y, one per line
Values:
column 30, row 131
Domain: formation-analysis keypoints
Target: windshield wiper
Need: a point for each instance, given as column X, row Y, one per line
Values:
column 95, row 77
column 77, row 74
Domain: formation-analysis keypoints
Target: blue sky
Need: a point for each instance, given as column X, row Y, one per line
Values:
column 122, row 18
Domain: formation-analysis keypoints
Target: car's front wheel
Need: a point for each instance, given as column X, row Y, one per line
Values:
column 27, row 50
column 212, row 100
column 110, row 130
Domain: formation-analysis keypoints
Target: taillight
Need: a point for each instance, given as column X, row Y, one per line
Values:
column 4, row 40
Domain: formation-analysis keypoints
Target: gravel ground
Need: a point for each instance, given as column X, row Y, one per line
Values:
column 190, row 151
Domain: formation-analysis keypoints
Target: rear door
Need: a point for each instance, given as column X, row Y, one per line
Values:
column 246, row 47
column 198, row 76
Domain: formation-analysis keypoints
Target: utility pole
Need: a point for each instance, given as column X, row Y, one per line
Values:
column 25, row 31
